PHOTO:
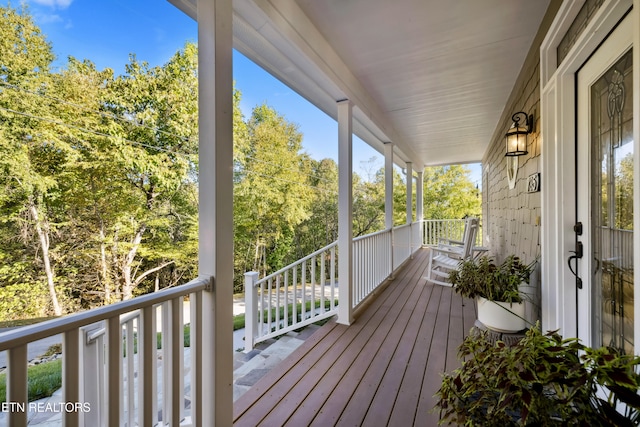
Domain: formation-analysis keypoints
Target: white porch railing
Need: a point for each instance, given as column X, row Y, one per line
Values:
column 450, row 229
column 294, row 296
column 306, row 291
column 110, row 369
column 372, row 263
column 401, row 245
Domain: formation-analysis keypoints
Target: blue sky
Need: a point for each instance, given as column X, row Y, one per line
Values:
column 107, row 31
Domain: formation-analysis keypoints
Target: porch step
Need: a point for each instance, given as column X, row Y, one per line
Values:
column 249, row 367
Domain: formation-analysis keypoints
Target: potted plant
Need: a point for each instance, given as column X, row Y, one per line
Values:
column 496, row 289
column 542, row 380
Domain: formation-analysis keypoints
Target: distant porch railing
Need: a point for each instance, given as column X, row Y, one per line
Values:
column 295, row 296
column 307, row 290
column 111, row 365
column 449, row 229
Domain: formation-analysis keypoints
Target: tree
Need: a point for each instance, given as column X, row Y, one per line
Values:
column 271, row 193
column 321, row 227
column 157, row 153
column 449, row 193
column 33, row 154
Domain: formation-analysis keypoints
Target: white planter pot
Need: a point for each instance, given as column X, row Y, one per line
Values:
column 501, row 316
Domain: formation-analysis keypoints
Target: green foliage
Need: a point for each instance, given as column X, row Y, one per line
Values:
column 22, row 301
column 543, row 380
column 449, row 193
column 271, row 194
column 483, row 278
column 42, row 381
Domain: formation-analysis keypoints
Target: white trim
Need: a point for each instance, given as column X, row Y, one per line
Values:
column 558, row 155
column 561, row 23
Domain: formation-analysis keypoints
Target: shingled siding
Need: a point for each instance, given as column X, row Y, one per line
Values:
column 511, row 217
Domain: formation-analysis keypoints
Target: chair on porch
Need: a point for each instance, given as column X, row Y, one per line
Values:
column 447, row 256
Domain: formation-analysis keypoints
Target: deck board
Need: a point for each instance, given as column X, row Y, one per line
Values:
column 381, row 370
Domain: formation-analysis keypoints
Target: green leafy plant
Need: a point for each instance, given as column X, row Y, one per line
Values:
column 484, row 278
column 542, row 380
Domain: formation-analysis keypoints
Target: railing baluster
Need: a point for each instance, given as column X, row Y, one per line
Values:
column 277, row 305
column 16, row 378
column 285, row 316
column 314, row 298
column 303, row 297
column 294, row 302
column 270, row 303
column 322, row 283
column 146, row 354
column 262, row 309
column 154, row 374
column 70, row 374
column 167, row 362
column 114, row 371
column 177, row 357
column 130, row 395
column 195, row 337
column 333, row 277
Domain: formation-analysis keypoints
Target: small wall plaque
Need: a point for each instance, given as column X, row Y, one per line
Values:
column 533, row 183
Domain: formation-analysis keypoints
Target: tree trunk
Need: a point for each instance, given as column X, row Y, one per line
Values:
column 43, row 235
column 104, row 270
column 128, row 284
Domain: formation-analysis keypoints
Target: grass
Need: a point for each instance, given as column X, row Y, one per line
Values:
column 43, row 380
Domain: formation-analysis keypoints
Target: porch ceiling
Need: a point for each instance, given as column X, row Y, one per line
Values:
column 430, row 75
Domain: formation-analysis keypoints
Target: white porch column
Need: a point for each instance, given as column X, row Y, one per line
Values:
column 420, row 207
column 420, row 197
column 215, row 257
column 345, row 205
column 409, row 193
column 388, row 185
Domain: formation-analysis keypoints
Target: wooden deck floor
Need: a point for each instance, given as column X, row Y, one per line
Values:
column 381, row 370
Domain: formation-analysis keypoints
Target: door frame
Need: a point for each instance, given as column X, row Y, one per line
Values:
column 616, row 45
column 558, row 156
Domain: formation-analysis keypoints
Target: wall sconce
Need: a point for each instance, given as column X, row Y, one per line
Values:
column 516, row 141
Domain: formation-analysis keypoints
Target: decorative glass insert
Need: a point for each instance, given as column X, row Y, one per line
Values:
column 587, row 11
column 612, row 206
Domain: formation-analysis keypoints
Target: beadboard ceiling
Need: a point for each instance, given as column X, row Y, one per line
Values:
column 432, row 76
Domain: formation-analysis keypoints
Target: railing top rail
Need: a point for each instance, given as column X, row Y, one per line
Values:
column 298, row 262
column 26, row 334
column 400, row 227
column 355, row 239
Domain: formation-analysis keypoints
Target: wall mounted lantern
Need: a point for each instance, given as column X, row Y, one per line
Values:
column 516, row 141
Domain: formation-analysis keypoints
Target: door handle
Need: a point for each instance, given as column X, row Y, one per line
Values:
column 577, row 254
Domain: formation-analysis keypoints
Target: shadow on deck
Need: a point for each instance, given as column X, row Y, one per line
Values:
column 382, row 370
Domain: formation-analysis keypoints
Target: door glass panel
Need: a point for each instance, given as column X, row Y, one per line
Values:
column 612, row 207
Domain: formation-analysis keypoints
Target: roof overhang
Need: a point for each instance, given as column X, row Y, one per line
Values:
column 432, row 77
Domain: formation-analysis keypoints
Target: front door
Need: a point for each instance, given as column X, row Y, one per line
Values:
column 604, row 176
